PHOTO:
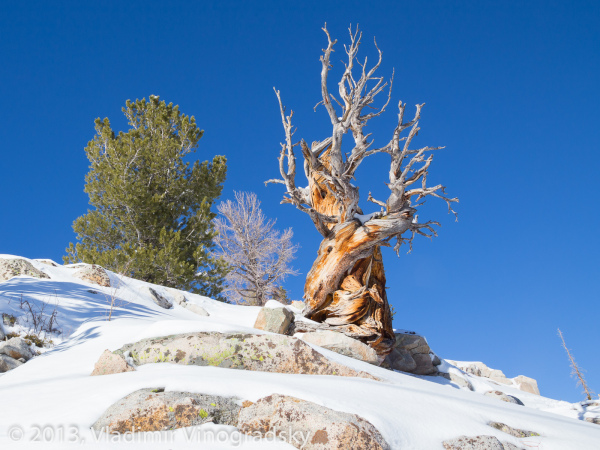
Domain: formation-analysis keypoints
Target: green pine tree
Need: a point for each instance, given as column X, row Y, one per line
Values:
column 152, row 215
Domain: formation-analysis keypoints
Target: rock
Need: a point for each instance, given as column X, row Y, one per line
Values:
column 156, row 297
column 275, row 320
column 505, row 398
column 309, row 426
column 594, row 420
column 400, row 359
column 16, row 348
column 298, row 304
column 14, row 267
column 512, row 431
column 197, row 309
column 110, row 363
column 94, row 274
column 424, row 364
column 179, row 299
column 2, row 333
column 264, row 353
column 48, row 262
column 418, row 349
column 7, row 363
column 527, row 384
column 477, row 443
column 8, row 320
column 458, row 380
column 156, row 410
column 342, row 344
column 481, row 370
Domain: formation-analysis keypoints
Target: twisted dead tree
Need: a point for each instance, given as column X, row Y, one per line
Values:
column 345, row 288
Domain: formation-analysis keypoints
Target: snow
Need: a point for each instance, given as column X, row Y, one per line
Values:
column 54, row 390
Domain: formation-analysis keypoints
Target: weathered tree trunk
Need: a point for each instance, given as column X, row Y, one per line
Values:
column 345, row 288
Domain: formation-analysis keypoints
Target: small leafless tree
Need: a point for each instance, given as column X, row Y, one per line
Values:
column 346, row 286
column 576, row 371
column 258, row 256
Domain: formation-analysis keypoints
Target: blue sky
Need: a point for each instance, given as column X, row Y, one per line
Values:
column 511, row 89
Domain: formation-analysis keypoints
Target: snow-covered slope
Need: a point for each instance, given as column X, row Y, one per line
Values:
column 55, row 393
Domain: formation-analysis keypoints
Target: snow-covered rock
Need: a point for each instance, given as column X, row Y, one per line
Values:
column 16, row 348
column 8, row 363
column 482, row 442
column 94, row 274
column 110, row 363
column 516, row 432
column 14, row 267
column 157, row 410
column 412, row 354
column 458, row 379
column 264, row 353
column 479, row 369
column 526, row 384
column 47, row 261
column 342, row 344
column 157, row 298
column 308, row 425
column 502, row 396
column 275, row 320
column 179, row 299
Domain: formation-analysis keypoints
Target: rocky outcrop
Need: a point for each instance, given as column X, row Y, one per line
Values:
column 412, row 354
column 458, row 380
column 342, row 344
column 94, row 274
column 110, row 363
column 10, row 268
column 512, row 431
column 48, row 262
column 265, row 353
column 594, row 420
column 8, row 363
column 477, row 443
column 527, row 384
column 479, row 369
column 179, row 299
column 309, row 426
column 156, row 297
column 16, row 348
column 156, row 410
column 504, row 397
column 275, row 320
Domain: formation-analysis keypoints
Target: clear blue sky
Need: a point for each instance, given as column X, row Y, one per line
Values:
column 512, row 89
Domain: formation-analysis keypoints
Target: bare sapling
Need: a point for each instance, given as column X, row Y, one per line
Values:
column 257, row 255
column 576, row 371
column 112, row 298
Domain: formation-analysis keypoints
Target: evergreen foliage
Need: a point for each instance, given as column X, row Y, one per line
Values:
column 152, row 208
